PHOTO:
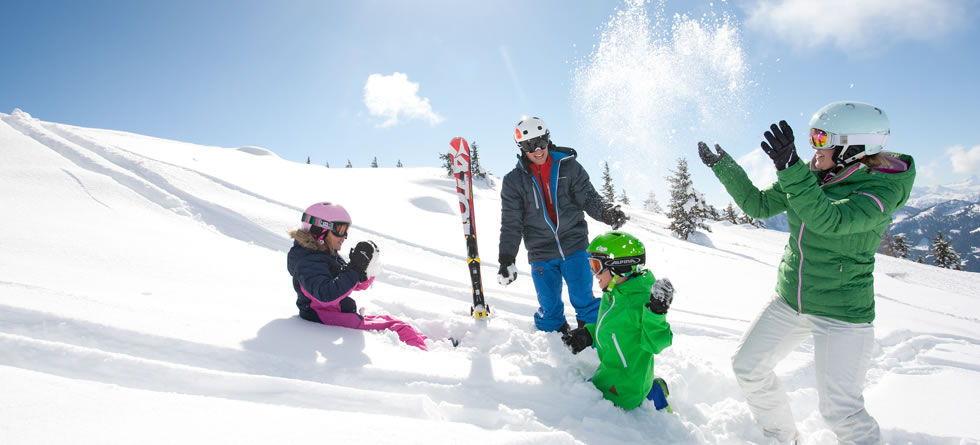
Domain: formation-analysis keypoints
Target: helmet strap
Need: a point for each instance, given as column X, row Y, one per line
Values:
column 319, row 234
column 844, row 157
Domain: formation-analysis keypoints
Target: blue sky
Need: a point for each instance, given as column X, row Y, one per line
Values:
column 637, row 86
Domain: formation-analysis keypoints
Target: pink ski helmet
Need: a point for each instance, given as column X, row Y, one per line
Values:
column 322, row 217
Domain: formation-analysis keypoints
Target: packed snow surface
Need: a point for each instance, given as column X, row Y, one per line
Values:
column 144, row 298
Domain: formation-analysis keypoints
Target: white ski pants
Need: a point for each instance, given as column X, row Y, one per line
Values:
column 842, row 353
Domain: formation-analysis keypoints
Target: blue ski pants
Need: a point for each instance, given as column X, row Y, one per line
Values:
column 548, row 276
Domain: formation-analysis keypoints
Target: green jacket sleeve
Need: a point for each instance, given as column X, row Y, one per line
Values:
column 657, row 335
column 859, row 212
column 754, row 202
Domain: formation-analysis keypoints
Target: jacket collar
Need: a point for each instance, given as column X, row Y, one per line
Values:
column 558, row 154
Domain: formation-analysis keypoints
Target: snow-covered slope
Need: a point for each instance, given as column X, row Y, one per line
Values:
column 144, row 299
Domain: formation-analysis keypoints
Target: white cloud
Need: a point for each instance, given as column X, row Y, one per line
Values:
column 758, row 167
column 964, row 161
column 394, row 96
column 854, row 26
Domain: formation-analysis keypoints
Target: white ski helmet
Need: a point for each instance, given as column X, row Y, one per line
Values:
column 529, row 128
column 850, row 123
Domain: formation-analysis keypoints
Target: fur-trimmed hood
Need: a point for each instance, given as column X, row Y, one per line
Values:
column 306, row 240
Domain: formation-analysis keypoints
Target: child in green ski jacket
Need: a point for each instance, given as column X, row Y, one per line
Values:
column 631, row 326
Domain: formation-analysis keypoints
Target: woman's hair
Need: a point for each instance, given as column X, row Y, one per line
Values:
column 877, row 160
column 306, row 240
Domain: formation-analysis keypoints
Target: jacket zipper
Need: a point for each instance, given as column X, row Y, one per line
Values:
column 799, row 271
column 620, row 351
column 612, row 304
column 799, row 244
column 554, row 199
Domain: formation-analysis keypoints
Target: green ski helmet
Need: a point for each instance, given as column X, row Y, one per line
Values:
column 619, row 252
column 846, row 124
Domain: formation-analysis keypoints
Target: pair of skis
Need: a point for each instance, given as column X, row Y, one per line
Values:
column 460, row 151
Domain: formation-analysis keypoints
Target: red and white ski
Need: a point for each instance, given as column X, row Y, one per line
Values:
column 460, row 151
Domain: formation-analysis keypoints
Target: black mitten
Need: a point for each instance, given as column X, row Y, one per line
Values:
column 577, row 339
column 661, row 296
column 707, row 157
column 360, row 258
column 508, row 271
column 614, row 216
column 780, row 148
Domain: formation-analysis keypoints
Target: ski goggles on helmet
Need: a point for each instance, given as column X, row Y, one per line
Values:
column 825, row 140
column 338, row 228
column 596, row 265
column 534, row 144
column 618, row 266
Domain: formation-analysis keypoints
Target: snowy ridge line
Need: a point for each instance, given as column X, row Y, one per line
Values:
column 86, row 142
column 225, row 220
column 119, row 369
column 158, row 191
column 110, row 154
column 85, row 161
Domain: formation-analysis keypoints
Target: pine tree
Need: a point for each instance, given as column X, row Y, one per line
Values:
column 687, row 211
column 399, row 164
column 374, row 163
column 900, row 246
column 475, row 167
column 447, row 162
column 608, row 190
column 920, row 260
column 349, row 165
column 307, row 159
column 886, row 245
column 946, row 257
column 729, row 214
column 651, row 204
column 624, row 199
column 746, row 219
column 712, row 212
column 327, row 164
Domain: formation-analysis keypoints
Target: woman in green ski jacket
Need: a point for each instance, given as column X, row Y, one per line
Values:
column 837, row 209
column 631, row 327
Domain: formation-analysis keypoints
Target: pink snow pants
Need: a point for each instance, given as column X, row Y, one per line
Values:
column 330, row 314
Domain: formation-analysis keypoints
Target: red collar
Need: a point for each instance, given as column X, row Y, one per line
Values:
column 536, row 169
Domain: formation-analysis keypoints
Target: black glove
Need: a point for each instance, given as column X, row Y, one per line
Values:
column 508, row 271
column 612, row 215
column 577, row 339
column 661, row 295
column 709, row 158
column 360, row 258
column 780, row 148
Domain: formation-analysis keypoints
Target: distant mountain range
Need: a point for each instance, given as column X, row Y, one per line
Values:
column 953, row 208
column 959, row 220
column 927, row 196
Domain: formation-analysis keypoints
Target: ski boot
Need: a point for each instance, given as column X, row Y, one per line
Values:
column 658, row 394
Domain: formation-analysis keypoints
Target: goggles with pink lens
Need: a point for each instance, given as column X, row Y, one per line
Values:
column 825, row 140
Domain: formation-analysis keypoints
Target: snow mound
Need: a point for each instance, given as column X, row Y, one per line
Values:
column 257, row 151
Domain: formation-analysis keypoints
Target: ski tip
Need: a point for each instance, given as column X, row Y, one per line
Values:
column 458, row 143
